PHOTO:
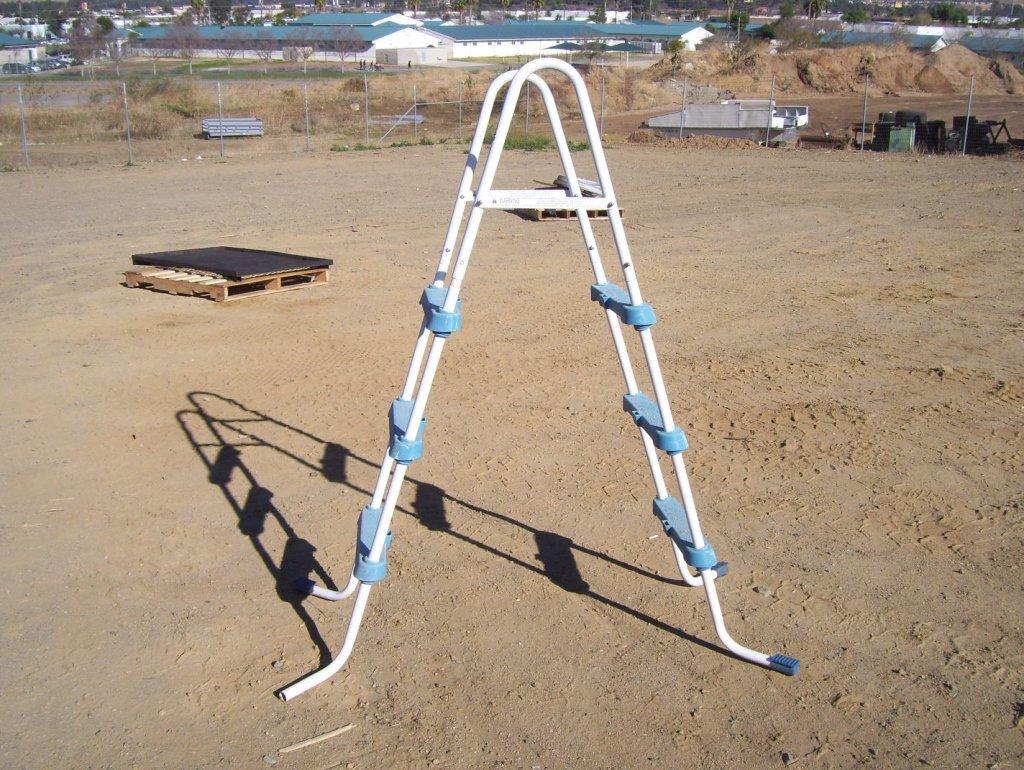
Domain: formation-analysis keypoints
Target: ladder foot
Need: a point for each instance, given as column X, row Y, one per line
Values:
column 318, row 677
column 784, row 664
column 310, row 588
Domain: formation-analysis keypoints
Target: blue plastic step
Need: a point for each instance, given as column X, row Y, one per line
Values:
column 616, row 299
column 784, row 664
column 365, row 570
column 647, row 416
column 673, row 518
column 401, row 449
column 439, row 321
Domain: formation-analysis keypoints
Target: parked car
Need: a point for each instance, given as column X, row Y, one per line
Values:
column 15, row 68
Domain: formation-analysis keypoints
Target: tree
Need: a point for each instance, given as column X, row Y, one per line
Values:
column 600, row 14
column 857, row 16
column 302, row 48
column 948, row 13
column 813, row 8
column 220, row 11
column 198, row 6
column 738, row 20
column 264, row 46
column 345, row 41
column 786, row 10
column 114, row 45
column 104, row 24
column 231, row 44
column 152, row 52
column 921, row 19
column 83, row 38
column 183, row 38
column 240, row 15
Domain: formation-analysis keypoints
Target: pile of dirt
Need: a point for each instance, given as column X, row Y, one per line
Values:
column 653, row 138
column 892, row 69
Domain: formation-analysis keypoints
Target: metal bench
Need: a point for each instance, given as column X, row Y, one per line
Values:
column 218, row 127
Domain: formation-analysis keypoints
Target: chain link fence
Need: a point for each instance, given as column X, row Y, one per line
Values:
column 145, row 117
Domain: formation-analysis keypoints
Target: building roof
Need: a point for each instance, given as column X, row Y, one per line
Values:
column 559, row 30
column 13, row 41
column 295, row 33
column 894, row 37
column 649, row 29
column 519, row 30
column 991, row 44
column 343, row 19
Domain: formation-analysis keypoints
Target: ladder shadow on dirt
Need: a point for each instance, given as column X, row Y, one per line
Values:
column 555, row 553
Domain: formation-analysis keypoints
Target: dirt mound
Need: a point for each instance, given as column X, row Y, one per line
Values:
column 696, row 142
column 892, row 69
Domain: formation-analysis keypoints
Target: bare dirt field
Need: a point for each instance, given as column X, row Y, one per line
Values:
column 842, row 341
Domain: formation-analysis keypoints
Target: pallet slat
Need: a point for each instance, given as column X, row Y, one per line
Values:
column 539, row 215
column 221, row 289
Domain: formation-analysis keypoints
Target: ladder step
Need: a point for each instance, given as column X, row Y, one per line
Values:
column 673, row 519
column 437, row 320
column 365, row 570
column 511, row 200
column 401, row 449
column 615, row 298
column 647, row 416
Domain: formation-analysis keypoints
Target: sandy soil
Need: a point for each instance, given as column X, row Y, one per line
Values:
column 842, row 340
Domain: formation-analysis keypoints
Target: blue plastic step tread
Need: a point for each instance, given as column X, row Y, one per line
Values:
column 365, row 570
column 784, row 664
column 402, row 450
column 673, row 518
column 646, row 415
column 437, row 320
column 616, row 299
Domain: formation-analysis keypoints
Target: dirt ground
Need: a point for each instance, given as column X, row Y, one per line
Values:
column 842, row 341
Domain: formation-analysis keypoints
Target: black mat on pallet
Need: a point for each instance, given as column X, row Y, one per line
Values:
column 230, row 261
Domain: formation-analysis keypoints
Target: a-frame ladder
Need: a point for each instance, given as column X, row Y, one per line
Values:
column 442, row 315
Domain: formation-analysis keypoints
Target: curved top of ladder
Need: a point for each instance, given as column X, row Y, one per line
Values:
column 515, row 80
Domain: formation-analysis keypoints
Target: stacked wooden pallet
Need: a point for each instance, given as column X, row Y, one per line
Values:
column 217, row 288
column 589, row 188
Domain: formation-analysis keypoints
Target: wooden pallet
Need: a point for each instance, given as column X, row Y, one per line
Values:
column 175, row 281
column 539, row 215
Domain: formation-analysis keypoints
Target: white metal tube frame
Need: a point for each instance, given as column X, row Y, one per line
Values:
column 429, row 346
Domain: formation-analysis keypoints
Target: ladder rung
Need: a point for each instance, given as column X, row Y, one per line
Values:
column 541, row 199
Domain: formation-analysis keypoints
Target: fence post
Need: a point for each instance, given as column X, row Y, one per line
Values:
column 864, row 113
column 460, row 110
column 128, row 124
column 366, row 110
column 220, row 113
column 305, row 109
column 967, row 120
column 771, row 114
column 24, row 131
column 682, row 107
column 601, row 130
column 415, row 115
